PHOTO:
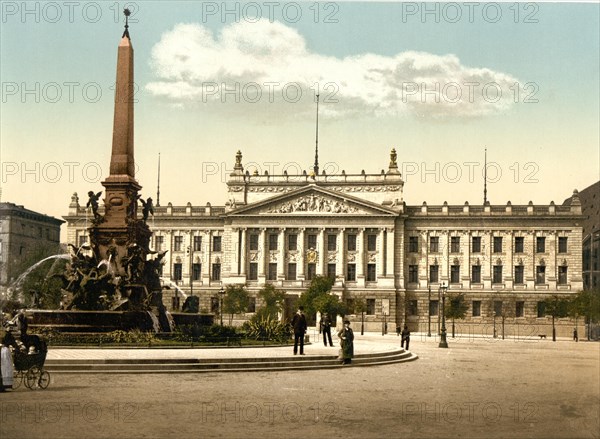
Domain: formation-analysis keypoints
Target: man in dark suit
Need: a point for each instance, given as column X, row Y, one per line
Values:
column 299, row 325
column 326, row 329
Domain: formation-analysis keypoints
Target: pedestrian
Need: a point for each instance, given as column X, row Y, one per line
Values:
column 299, row 325
column 405, row 337
column 347, row 342
column 326, row 329
column 6, row 364
column 575, row 336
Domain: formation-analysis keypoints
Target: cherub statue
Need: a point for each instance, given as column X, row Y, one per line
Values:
column 93, row 201
column 147, row 207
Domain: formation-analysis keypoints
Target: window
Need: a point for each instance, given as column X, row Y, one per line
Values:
column 371, row 243
column 540, row 244
column 331, row 271
column 331, row 242
column 197, row 243
column 454, row 274
column 434, row 273
column 519, row 244
column 214, row 304
column 175, row 301
column 177, row 273
column 540, row 274
column 272, row 274
column 497, row 308
column 413, row 244
column 519, row 274
column 291, row 271
column 196, row 271
column 351, row 243
column 253, row 242
column 312, row 241
column 413, row 274
column 177, row 243
column 476, row 244
column 253, row 271
column 293, row 242
column 476, row 274
column 413, row 308
column 562, row 275
column 251, row 304
column 562, row 244
column 350, row 306
column 371, row 273
column 311, row 271
column 273, row 242
column 216, row 243
column 351, row 272
column 497, row 275
column 216, row 271
column 433, row 307
column 497, row 244
column 158, row 242
column 455, row 244
column 434, row 244
column 477, row 308
column 370, row 307
column 520, row 309
column 541, row 309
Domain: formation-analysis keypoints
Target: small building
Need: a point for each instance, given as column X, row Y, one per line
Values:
column 24, row 234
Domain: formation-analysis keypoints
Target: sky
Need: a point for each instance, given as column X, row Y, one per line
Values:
column 439, row 82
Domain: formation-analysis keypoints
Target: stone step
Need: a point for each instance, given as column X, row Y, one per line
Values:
column 222, row 365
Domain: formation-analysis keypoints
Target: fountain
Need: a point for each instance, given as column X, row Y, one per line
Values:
column 114, row 283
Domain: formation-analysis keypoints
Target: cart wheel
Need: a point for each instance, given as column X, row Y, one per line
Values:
column 32, row 378
column 44, row 380
column 17, row 379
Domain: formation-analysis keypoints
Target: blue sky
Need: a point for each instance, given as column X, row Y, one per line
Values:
column 371, row 54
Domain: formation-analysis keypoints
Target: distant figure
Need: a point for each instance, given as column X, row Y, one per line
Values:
column 299, row 325
column 575, row 336
column 347, row 342
column 93, row 202
column 326, row 329
column 405, row 337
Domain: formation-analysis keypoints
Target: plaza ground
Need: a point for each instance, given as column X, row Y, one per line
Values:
column 478, row 388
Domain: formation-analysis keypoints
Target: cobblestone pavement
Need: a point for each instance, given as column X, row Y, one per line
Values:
column 478, row 388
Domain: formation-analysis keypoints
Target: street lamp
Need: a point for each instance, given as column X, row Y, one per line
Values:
column 443, row 342
column 221, row 295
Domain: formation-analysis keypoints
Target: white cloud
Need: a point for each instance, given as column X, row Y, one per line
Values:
column 268, row 63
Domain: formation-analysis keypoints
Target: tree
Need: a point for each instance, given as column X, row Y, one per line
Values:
column 557, row 307
column 319, row 286
column 272, row 299
column 586, row 303
column 329, row 304
column 359, row 306
column 236, row 300
column 456, row 308
column 503, row 307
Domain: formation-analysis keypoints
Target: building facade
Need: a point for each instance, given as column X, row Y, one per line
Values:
column 356, row 228
column 24, row 234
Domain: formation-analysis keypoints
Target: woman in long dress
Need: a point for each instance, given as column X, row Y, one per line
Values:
column 347, row 342
column 6, row 364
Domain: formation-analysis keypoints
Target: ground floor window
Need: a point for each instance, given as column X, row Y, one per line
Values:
column 433, row 307
column 477, row 308
column 520, row 309
column 371, row 307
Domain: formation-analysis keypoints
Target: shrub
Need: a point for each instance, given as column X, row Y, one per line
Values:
column 268, row 328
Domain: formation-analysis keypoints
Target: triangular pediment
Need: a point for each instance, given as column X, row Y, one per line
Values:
column 310, row 201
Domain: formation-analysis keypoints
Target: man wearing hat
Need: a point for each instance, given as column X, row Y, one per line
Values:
column 299, row 325
column 347, row 342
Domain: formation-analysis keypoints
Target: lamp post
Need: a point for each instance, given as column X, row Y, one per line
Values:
column 221, row 295
column 429, row 312
column 443, row 342
column 362, row 323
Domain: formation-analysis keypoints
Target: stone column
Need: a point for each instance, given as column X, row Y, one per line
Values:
column 360, row 256
column 381, row 254
column 322, row 253
column 243, row 252
column 262, row 253
column 390, row 253
column 281, row 256
column 341, row 254
column 300, row 264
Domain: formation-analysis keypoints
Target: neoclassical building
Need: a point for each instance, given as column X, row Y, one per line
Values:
column 356, row 228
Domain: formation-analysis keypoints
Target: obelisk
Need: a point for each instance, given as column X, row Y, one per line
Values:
column 120, row 229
